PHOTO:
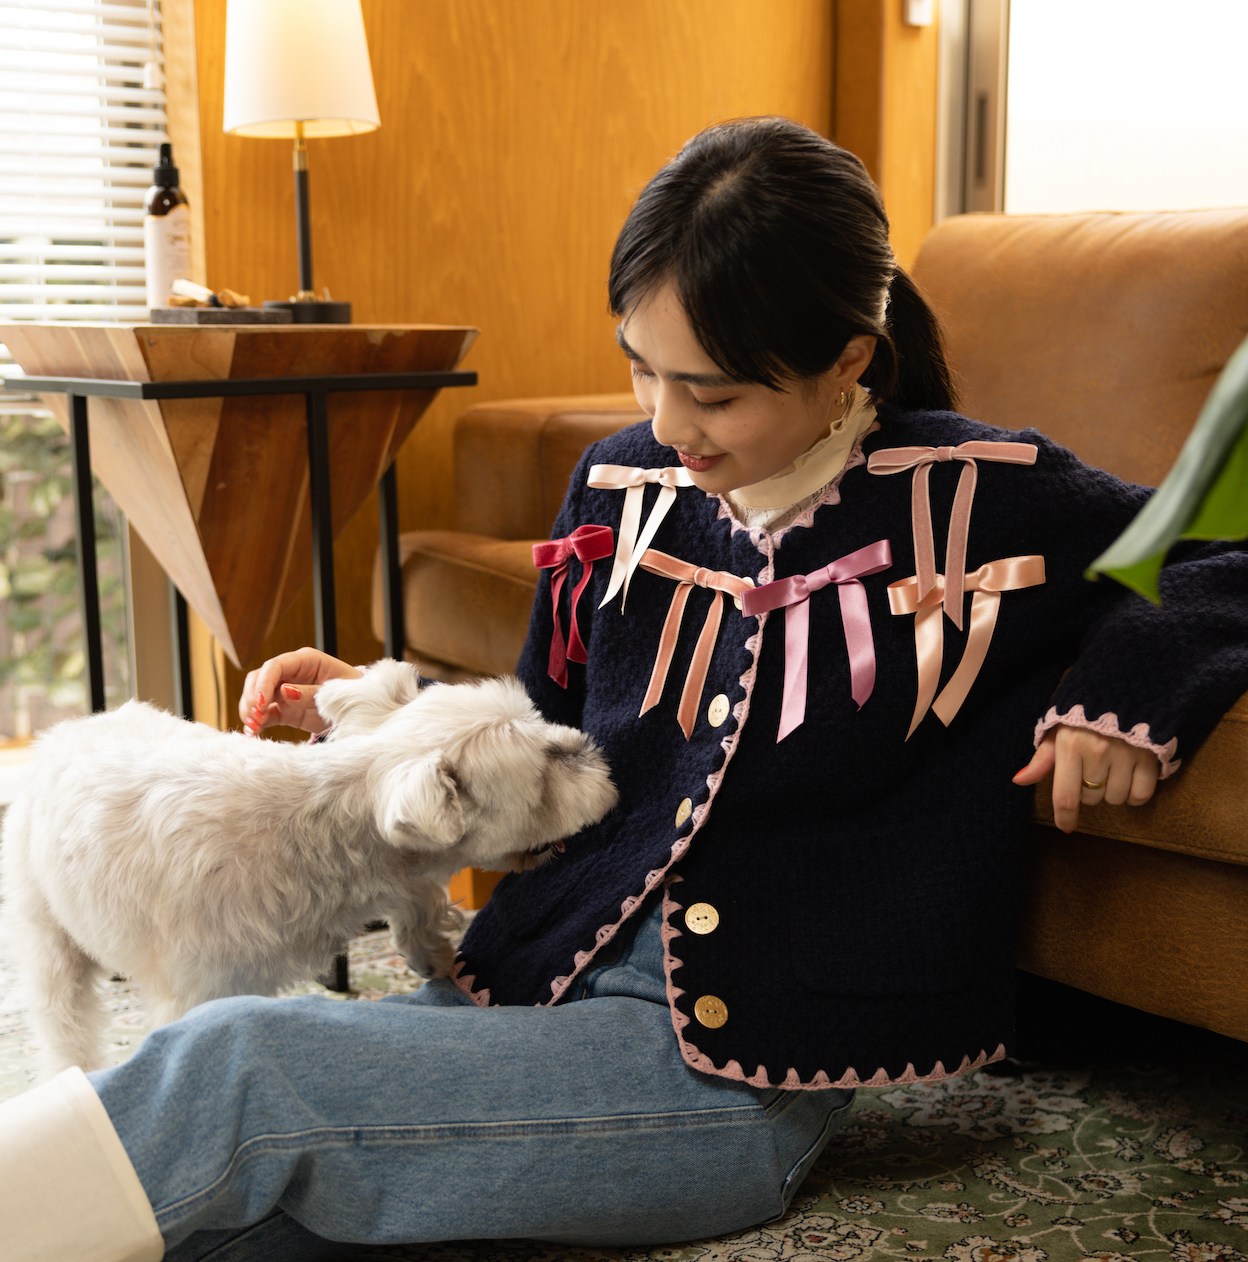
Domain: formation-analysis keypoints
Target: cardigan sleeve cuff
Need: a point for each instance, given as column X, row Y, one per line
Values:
column 1107, row 725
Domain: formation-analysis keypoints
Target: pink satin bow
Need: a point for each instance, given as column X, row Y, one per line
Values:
column 687, row 577
column 987, row 582
column 794, row 595
column 632, row 481
column 921, row 459
column 588, row 544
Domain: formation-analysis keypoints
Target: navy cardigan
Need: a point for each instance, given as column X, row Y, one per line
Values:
column 865, row 886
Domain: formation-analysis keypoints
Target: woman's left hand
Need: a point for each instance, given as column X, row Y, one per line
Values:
column 1078, row 757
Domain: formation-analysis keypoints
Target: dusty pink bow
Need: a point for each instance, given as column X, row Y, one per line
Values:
column 619, row 477
column 588, row 544
column 921, row 459
column 687, row 578
column 794, row 595
column 987, row 582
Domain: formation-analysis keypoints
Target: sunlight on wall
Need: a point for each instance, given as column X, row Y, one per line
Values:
column 1137, row 106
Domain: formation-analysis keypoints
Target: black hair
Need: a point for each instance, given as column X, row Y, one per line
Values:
column 776, row 242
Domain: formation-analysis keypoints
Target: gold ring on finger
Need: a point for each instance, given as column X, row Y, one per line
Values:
column 1094, row 784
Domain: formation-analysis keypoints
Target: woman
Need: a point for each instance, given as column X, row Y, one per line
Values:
column 811, row 879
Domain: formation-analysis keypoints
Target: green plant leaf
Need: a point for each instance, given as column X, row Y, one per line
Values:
column 1205, row 494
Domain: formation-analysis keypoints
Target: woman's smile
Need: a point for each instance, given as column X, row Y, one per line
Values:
column 728, row 433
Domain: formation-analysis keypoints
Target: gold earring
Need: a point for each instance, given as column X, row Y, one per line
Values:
column 840, row 402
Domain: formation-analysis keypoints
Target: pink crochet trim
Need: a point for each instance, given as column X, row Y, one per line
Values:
column 831, row 494
column 729, row 745
column 464, row 982
column 790, row 1082
column 1108, row 725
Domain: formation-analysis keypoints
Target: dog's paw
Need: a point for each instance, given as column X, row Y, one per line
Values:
column 432, row 958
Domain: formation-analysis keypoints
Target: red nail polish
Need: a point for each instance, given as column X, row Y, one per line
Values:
column 290, row 692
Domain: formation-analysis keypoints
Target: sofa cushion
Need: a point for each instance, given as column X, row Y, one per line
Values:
column 466, row 598
column 513, row 459
column 1104, row 331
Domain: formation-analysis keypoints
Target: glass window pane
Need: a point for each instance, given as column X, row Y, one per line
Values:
column 1115, row 106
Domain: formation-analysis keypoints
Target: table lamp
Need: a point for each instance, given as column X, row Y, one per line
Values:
column 299, row 68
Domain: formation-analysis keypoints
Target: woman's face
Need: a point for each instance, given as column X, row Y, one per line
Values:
column 727, row 433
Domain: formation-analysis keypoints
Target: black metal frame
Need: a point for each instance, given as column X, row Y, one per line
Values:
column 315, row 391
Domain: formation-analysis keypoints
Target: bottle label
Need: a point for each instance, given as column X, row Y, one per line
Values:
column 167, row 252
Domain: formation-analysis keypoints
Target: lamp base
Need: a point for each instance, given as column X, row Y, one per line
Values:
column 313, row 312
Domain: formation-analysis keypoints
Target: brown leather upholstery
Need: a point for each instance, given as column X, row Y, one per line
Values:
column 467, row 592
column 1106, row 332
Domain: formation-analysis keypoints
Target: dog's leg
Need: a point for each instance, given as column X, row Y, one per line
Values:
column 421, row 926
column 65, row 1008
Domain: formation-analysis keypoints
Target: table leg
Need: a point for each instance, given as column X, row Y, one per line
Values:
column 323, row 578
column 322, row 524
column 88, row 578
column 184, row 696
column 391, row 574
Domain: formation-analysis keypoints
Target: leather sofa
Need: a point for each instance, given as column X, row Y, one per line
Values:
column 1105, row 331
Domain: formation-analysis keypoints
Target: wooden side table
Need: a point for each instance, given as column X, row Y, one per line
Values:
column 197, row 433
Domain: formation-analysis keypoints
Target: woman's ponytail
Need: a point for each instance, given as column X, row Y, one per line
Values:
column 910, row 369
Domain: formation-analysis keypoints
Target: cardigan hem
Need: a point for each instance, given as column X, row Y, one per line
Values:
column 791, row 1081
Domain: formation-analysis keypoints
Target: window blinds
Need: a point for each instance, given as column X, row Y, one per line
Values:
column 79, row 135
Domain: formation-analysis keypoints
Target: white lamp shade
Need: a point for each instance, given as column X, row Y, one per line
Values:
column 289, row 61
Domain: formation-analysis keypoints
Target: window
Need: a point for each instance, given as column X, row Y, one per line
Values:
column 1054, row 106
column 79, row 132
column 1126, row 107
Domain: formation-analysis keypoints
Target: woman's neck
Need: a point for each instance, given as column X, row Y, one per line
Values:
column 766, row 503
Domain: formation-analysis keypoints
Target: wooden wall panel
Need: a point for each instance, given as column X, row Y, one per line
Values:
column 513, row 139
column 885, row 111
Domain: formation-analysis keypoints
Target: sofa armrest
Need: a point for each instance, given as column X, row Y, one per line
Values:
column 513, row 459
column 1199, row 811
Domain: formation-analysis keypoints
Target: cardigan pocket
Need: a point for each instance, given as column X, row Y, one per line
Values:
column 890, row 927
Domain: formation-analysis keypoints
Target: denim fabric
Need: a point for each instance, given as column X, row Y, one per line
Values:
column 269, row 1128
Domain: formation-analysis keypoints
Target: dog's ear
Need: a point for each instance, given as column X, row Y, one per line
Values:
column 420, row 807
column 354, row 706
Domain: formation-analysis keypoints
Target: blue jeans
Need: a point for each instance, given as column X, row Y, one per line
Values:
column 269, row 1128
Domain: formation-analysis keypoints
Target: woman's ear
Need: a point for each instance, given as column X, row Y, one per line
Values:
column 853, row 360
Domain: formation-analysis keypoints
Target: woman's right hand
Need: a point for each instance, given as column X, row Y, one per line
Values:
column 283, row 690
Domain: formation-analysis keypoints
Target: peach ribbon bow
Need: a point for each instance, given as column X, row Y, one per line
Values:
column 921, row 459
column 687, row 578
column 987, row 582
column 633, row 539
column 588, row 544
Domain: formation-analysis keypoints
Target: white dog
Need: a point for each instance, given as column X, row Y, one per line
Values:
column 202, row 864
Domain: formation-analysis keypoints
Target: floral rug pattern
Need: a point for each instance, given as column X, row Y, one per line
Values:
column 1019, row 1163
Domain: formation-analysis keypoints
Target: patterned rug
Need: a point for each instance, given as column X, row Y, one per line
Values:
column 1140, row 1153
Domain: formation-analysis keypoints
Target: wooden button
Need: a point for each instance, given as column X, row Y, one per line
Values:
column 702, row 918
column 711, row 1011
column 717, row 711
column 683, row 811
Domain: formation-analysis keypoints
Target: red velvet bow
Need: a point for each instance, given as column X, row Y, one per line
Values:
column 588, row 544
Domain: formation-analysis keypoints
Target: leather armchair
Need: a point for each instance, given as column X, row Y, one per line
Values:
column 1105, row 331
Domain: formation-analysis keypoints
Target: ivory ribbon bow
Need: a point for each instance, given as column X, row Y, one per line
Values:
column 921, row 459
column 987, row 582
column 588, row 544
column 619, row 477
column 687, row 577
column 794, row 595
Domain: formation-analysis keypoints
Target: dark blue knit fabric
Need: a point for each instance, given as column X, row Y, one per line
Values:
column 867, row 885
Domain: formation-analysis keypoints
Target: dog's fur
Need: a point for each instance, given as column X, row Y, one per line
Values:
column 202, row 864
